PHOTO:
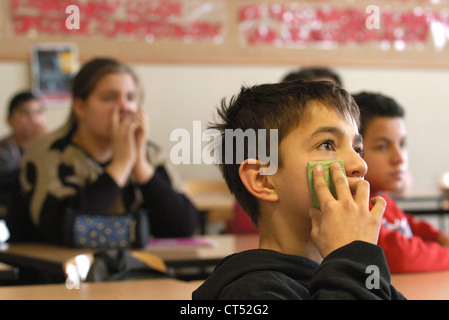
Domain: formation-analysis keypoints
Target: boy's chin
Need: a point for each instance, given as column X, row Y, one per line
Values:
column 394, row 188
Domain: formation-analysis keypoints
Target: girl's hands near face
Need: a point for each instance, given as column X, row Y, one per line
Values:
column 142, row 130
column 143, row 171
column 124, row 147
column 347, row 219
column 129, row 143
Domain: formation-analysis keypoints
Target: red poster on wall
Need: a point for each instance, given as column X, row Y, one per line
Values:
column 299, row 25
column 149, row 20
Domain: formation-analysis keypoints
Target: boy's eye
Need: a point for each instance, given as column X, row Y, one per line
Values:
column 326, row 145
column 381, row 147
column 359, row 151
column 108, row 98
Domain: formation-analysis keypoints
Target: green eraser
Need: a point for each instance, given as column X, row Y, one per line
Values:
column 327, row 177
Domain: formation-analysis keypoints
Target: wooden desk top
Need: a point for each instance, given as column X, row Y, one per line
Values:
column 49, row 258
column 419, row 286
column 423, row 286
column 414, row 286
column 156, row 289
column 225, row 245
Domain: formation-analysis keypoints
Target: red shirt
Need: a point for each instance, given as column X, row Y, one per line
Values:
column 410, row 245
column 241, row 223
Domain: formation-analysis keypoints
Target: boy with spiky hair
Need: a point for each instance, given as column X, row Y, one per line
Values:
column 303, row 252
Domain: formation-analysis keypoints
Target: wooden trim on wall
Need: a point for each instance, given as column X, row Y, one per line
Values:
column 231, row 50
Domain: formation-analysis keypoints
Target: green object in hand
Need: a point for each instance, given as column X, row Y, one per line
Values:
column 327, row 177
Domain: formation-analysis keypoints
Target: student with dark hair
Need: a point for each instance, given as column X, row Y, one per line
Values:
column 410, row 245
column 314, row 74
column 240, row 224
column 100, row 162
column 304, row 252
column 27, row 122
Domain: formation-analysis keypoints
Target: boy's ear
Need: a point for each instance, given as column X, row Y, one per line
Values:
column 257, row 184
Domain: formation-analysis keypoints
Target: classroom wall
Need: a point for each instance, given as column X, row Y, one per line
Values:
column 178, row 94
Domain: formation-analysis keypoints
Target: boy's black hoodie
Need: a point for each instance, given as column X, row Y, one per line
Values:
column 264, row 274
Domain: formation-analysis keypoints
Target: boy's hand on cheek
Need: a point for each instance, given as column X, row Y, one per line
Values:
column 347, row 219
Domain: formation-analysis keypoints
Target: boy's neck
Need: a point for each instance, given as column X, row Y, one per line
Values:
column 288, row 238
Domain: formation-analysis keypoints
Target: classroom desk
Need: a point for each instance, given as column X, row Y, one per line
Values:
column 416, row 286
column 423, row 286
column 155, row 289
column 48, row 259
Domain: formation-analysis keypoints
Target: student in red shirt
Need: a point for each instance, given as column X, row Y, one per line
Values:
column 409, row 245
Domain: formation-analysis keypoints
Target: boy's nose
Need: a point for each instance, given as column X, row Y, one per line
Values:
column 32, row 117
column 398, row 155
column 36, row 117
column 355, row 166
